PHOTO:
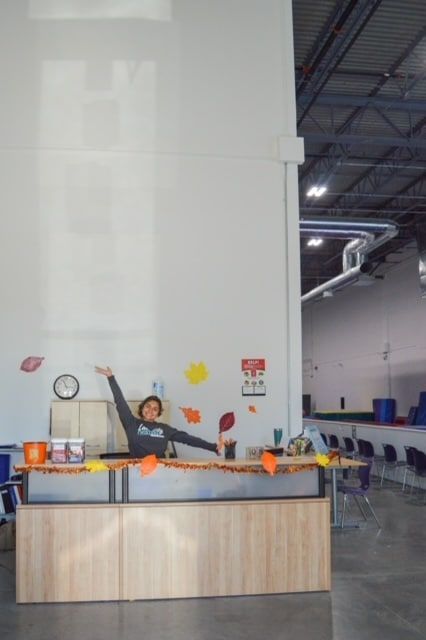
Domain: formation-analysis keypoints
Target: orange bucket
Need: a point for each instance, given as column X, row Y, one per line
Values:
column 35, row 452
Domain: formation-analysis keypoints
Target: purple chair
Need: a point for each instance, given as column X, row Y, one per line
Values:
column 368, row 453
column 359, row 492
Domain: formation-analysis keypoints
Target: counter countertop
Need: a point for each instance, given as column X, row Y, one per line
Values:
column 239, row 464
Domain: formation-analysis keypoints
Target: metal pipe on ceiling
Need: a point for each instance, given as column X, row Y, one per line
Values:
column 364, row 236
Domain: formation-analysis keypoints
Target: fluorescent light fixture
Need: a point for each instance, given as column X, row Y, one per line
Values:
column 314, row 242
column 317, row 192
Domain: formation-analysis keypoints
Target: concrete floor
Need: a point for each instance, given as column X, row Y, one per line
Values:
column 379, row 586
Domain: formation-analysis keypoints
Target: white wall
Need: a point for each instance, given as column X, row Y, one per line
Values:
column 346, row 339
column 149, row 205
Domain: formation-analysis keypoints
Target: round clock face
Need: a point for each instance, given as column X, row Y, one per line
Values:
column 66, row 386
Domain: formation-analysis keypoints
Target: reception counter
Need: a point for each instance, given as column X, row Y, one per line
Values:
column 191, row 529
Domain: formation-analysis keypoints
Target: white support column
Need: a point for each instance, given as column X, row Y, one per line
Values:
column 294, row 330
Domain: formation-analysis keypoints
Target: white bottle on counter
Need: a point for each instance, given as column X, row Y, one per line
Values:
column 158, row 388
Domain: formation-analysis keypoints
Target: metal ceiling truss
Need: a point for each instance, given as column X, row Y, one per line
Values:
column 392, row 160
column 400, row 159
column 377, row 177
column 415, row 191
column 345, row 147
column 335, row 40
column 402, row 209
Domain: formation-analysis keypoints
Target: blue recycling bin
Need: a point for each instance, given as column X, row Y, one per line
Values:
column 4, row 467
column 421, row 409
column 412, row 416
column 384, row 410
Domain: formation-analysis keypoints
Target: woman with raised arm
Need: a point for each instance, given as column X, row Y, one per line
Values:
column 144, row 434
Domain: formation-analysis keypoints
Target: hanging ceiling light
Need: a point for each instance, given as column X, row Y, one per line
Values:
column 316, row 191
column 314, row 242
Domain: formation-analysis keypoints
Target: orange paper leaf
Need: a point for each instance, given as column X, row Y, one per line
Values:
column 252, row 408
column 269, row 462
column 192, row 415
column 148, row 464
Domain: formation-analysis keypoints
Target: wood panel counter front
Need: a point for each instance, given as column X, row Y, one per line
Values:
column 70, row 553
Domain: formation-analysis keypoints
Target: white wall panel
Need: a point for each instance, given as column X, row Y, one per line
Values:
column 145, row 205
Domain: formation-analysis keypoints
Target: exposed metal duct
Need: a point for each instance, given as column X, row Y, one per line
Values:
column 421, row 245
column 364, row 236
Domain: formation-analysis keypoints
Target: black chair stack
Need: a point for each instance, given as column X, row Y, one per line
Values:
column 408, row 467
column 349, row 450
column 333, row 442
column 419, row 467
column 390, row 462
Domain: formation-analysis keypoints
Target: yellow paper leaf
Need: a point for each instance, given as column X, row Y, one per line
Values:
column 322, row 460
column 197, row 373
column 94, row 466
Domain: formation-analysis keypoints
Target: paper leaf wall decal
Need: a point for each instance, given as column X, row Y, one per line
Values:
column 197, row 373
column 226, row 422
column 31, row 364
column 192, row 415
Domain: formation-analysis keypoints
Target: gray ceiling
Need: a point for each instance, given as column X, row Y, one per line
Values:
column 361, row 109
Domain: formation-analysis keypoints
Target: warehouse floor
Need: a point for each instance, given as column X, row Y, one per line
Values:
column 379, row 586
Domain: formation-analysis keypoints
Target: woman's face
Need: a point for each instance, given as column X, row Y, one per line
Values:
column 151, row 411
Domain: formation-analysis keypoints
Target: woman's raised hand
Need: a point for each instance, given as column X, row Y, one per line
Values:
column 104, row 371
column 220, row 444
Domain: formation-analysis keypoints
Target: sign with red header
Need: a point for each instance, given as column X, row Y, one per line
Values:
column 253, row 373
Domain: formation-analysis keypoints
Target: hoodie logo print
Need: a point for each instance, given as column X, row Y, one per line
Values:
column 151, row 433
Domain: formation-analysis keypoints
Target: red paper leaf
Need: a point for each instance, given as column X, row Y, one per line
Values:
column 226, row 422
column 31, row 364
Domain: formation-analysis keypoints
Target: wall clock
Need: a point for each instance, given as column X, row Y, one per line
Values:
column 66, row 386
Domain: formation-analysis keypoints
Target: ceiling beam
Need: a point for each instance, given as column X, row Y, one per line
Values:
column 413, row 142
column 392, row 104
column 362, row 73
column 345, row 32
column 358, row 211
column 328, row 34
